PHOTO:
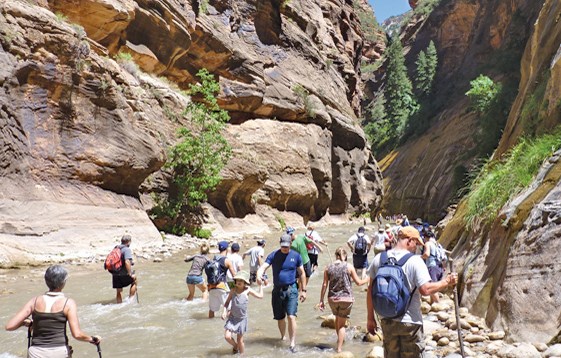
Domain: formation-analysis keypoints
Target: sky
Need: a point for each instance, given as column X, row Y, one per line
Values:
column 386, row 8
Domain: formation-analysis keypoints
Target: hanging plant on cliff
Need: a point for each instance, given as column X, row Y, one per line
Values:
column 196, row 160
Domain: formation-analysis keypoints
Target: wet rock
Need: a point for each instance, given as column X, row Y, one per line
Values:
column 376, row 352
column 344, row 355
column 444, row 341
column 553, row 351
column 371, row 338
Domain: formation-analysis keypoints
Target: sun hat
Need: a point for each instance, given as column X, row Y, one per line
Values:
column 409, row 232
column 388, row 226
column 380, row 229
column 222, row 245
column 242, row 275
column 285, row 240
column 419, row 221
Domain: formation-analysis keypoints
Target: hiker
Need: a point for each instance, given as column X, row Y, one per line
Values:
column 125, row 276
column 256, row 256
column 299, row 244
column 337, row 276
column 49, row 314
column 360, row 246
column 391, row 237
column 434, row 262
column 237, row 313
column 419, row 225
column 216, row 276
column 236, row 260
column 195, row 275
column 313, row 252
column 403, row 335
column 284, row 299
column 380, row 239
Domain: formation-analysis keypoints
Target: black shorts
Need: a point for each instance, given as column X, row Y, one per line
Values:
column 313, row 259
column 120, row 281
column 360, row 261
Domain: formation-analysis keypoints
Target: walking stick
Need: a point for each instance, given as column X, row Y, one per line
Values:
column 329, row 253
column 457, row 310
column 29, row 329
column 98, row 345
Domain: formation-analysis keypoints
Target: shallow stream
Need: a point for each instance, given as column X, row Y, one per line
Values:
column 163, row 324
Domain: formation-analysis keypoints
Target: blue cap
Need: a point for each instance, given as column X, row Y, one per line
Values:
column 235, row 247
column 290, row 230
column 223, row 245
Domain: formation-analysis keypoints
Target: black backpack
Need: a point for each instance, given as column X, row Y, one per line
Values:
column 214, row 270
column 360, row 245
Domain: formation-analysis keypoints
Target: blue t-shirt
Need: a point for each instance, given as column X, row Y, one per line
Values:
column 284, row 266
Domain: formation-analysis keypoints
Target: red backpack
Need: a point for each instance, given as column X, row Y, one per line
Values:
column 114, row 262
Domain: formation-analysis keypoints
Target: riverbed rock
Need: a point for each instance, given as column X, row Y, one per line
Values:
column 496, row 335
column 520, row 350
column 376, row 352
column 344, row 354
column 552, row 351
column 474, row 338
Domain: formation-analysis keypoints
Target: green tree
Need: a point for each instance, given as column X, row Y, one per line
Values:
column 482, row 93
column 196, row 160
column 400, row 102
column 426, row 69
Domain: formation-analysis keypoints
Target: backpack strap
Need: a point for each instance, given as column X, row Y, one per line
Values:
column 404, row 259
column 384, row 258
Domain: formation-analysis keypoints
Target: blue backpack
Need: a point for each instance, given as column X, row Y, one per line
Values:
column 214, row 270
column 360, row 244
column 390, row 292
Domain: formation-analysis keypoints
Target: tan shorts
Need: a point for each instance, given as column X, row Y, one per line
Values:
column 216, row 298
column 341, row 308
column 49, row 352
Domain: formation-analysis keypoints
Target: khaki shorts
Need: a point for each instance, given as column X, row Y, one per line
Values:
column 341, row 308
column 49, row 352
column 216, row 298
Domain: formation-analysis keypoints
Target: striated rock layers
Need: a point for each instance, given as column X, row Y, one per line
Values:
column 509, row 268
column 472, row 38
column 81, row 132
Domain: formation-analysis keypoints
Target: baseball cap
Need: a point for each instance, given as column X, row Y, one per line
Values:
column 285, row 240
column 235, row 247
column 361, row 229
column 409, row 232
column 381, row 229
column 419, row 221
column 222, row 245
column 290, row 230
column 261, row 242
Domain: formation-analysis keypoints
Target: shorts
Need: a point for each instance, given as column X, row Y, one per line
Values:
column 360, row 261
column 402, row 340
column 341, row 308
column 313, row 259
column 307, row 269
column 195, row 280
column 284, row 301
column 216, row 298
column 50, row 352
column 120, row 281
column 435, row 273
column 253, row 277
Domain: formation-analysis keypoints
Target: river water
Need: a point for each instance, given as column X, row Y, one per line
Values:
column 164, row 324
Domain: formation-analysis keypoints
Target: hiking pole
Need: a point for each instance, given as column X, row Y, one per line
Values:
column 29, row 329
column 98, row 345
column 457, row 310
column 329, row 253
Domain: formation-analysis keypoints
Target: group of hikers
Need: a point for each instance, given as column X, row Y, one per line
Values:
column 396, row 267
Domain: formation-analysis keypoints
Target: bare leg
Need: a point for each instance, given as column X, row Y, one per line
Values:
column 340, row 328
column 210, row 314
column 282, row 328
column 191, row 289
column 229, row 339
column 241, row 344
column 119, row 295
column 203, row 289
column 132, row 290
column 292, row 330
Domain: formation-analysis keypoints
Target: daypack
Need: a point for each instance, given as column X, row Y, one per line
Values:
column 390, row 291
column 360, row 245
column 114, row 261
column 309, row 245
column 440, row 254
column 213, row 270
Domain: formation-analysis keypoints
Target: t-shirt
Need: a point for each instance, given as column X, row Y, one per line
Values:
column 237, row 261
column 353, row 239
column 198, row 266
column 417, row 275
column 299, row 244
column 126, row 254
column 284, row 266
column 254, row 254
column 315, row 237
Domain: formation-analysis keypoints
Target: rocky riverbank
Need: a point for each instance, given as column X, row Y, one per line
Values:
column 441, row 336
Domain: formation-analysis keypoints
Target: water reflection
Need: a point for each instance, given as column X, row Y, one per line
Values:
column 164, row 324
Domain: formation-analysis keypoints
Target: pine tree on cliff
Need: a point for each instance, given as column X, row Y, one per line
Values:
column 400, row 103
column 426, row 69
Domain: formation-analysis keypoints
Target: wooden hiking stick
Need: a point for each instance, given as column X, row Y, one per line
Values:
column 329, row 253
column 457, row 310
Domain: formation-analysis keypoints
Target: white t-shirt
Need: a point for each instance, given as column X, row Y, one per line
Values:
column 417, row 275
column 254, row 254
column 237, row 262
column 379, row 238
column 313, row 235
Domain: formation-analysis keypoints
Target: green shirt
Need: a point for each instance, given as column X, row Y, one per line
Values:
column 299, row 245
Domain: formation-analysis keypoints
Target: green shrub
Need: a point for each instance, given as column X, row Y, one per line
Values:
column 482, row 93
column 202, row 233
column 500, row 181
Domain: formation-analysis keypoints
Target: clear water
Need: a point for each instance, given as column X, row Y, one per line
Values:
column 164, row 324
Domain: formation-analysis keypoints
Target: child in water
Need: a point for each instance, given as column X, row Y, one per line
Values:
column 237, row 314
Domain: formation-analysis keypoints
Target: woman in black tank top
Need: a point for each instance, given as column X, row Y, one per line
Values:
column 49, row 314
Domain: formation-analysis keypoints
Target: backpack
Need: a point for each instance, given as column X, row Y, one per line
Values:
column 309, row 245
column 390, row 291
column 440, row 254
column 360, row 245
column 114, row 261
column 214, row 271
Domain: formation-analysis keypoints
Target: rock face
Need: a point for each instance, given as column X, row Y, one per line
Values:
column 82, row 132
column 471, row 37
